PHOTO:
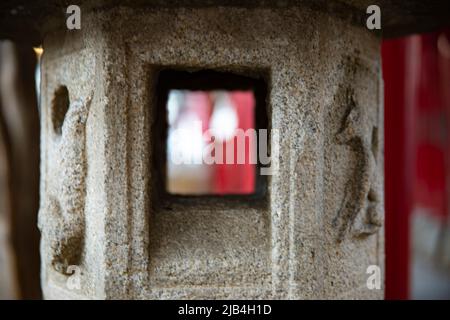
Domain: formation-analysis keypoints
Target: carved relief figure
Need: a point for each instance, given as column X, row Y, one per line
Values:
column 63, row 210
column 361, row 211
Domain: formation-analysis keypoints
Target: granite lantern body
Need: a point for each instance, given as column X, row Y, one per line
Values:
column 108, row 232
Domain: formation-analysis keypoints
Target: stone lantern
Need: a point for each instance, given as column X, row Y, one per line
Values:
column 317, row 224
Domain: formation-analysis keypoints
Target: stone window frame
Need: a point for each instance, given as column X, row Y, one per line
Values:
column 206, row 79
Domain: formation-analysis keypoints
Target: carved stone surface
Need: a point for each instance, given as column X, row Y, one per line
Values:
column 361, row 210
column 323, row 83
column 62, row 214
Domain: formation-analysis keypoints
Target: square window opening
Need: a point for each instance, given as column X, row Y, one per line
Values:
column 207, row 134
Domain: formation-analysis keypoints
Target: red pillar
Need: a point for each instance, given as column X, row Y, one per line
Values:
column 399, row 161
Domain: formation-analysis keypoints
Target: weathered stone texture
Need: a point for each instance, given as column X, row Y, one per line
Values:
column 290, row 244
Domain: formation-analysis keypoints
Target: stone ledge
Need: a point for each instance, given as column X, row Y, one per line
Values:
column 24, row 22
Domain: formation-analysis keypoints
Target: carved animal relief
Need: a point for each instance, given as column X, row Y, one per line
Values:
column 361, row 211
column 63, row 210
